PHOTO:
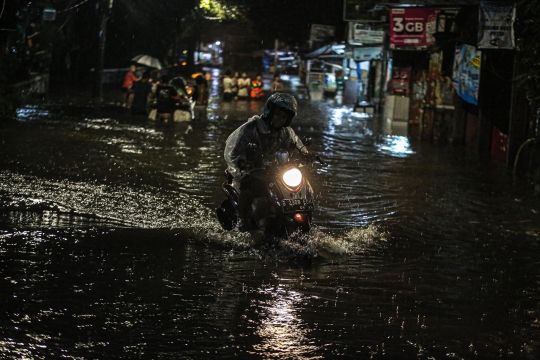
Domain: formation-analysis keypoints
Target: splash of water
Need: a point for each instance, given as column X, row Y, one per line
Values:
column 42, row 201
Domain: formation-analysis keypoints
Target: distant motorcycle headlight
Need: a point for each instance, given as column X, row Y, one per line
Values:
column 292, row 178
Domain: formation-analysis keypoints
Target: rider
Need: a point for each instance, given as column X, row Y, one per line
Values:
column 270, row 132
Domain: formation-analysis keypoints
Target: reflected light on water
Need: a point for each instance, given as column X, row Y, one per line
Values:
column 361, row 115
column 30, row 112
column 396, row 146
column 338, row 114
column 282, row 332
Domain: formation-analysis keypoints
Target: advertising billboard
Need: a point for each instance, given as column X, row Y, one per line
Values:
column 466, row 72
column 412, row 28
column 401, row 77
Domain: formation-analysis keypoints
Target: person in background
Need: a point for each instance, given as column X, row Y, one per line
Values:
column 141, row 90
column 185, row 95
column 277, row 84
column 166, row 97
column 31, row 33
column 200, row 96
column 257, row 88
column 244, row 84
column 220, row 84
column 235, row 78
column 126, row 86
column 228, row 85
column 207, row 77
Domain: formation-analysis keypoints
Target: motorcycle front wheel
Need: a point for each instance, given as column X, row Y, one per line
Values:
column 226, row 215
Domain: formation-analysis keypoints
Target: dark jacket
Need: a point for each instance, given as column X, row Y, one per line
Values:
column 166, row 97
column 257, row 131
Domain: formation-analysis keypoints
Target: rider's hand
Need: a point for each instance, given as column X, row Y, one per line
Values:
column 308, row 157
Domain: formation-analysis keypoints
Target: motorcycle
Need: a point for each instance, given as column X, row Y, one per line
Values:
column 183, row 104
column 286, row 204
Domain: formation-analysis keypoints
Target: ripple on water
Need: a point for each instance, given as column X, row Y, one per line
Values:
column 39, row 203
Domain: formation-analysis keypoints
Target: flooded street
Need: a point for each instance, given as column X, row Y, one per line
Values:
column 109, row 247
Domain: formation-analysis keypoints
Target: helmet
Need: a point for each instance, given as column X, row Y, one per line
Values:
column 283, row 101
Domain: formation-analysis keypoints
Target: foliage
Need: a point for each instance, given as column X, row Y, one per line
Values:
column 218, row 10
column 528, row 48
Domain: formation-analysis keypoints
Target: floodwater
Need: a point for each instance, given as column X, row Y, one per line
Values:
column 109, row 248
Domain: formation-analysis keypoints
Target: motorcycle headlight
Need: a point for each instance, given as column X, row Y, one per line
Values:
column 292, row 178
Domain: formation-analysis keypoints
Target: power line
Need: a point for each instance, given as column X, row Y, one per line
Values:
column 73, row 7
column 3, row 7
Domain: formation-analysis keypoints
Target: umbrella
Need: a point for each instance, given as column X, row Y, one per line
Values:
column 148, row 61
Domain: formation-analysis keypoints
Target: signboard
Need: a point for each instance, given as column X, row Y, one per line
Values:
column 49, row 14
column 400, row 80
column 360, row 34
column 321, row 32
column 367, row 53
column 496, row 30
column 466, row 72
column 412, row 27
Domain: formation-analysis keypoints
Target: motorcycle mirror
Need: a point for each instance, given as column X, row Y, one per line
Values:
column 307, row 140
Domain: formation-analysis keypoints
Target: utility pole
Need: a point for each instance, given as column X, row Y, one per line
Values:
column 105, row 9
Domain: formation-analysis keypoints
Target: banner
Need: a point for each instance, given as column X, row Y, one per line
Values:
column 466, row 72
column 412, row 27
column 496, row 30
column 400, row 81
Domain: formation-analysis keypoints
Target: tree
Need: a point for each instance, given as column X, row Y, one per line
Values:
column 528, row 48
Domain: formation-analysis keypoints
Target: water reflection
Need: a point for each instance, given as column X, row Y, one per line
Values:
column 282, row 332
column 396, row 146
column 32, row 112
column 396, row 140
column 403, row 241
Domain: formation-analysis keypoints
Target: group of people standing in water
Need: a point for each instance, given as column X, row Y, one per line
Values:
column 236, row 86
column 142, row 93
column 163, row 96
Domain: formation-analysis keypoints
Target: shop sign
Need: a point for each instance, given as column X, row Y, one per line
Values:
column 360, row 34
column 400, row 80
column 322, row 32
column 466, row 72
column 367, row 53
column 412, row 28
column 496, row 30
